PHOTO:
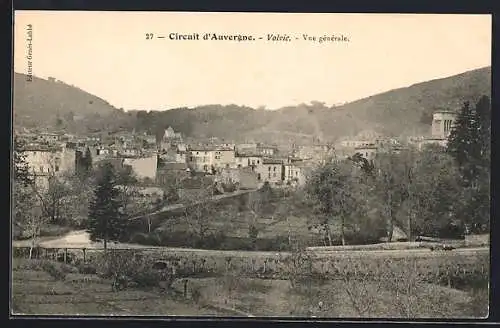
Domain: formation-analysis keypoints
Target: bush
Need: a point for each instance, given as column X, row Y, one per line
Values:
column 54, row 271
column 70, row 258
column 23, row 252
column 32, row 265
column 125, row 267
column 139, row 238
column 86, row 268
column 54, row 230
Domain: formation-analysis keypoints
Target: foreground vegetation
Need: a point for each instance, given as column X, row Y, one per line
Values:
column 438, row 192
column 299, row 284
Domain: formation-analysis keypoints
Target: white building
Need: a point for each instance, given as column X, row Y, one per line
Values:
column 207, row 158
column 442, row 124
column 143, row 167
column 45, row 162
column 248, row 160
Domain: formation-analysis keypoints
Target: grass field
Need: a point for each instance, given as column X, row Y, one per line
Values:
column 264, row 297
column 34, row 291
column 37, row 291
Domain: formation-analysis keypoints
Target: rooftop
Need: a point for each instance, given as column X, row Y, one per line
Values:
column 445, row 112
column 247, row 154
column 272, row 161
column 173, row 166
column 41, row 148
column 370, row 146
column 210, row 148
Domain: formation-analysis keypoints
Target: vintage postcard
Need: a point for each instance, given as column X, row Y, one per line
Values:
column 251, row 165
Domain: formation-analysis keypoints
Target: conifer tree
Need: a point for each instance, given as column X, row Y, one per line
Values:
column 470, row 145
column 464, row 144
column 105, row 220
column 88, row 161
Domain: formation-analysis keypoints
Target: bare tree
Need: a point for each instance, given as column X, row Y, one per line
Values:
column 127, row 182
column 34, row 221
column 362, row 283
column 332, row 188
column 198, row 210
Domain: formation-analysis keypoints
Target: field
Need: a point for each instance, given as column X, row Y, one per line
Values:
column 35, row 291
column 347, row 285
column 266, row 297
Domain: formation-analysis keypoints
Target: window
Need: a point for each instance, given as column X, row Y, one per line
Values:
column 269, row 175
column 274, row 175
column 197, row 153
column 57, row 168
column 258, row 162
column 274, row 169
column 269, row 169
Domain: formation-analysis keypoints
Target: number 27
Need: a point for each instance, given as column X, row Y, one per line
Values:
column 149, row 36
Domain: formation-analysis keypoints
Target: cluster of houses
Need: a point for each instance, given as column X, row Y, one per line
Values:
column 169, row 159
column 368, row 144
column 164, row 160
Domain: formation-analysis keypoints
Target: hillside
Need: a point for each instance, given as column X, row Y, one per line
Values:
column 52, row 103
column 397, row 112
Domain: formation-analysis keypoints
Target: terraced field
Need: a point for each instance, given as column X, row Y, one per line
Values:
column 36, row 292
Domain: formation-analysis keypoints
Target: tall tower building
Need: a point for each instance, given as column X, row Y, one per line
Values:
column 442, row 124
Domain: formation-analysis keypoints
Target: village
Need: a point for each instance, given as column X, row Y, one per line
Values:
column 170, row 160
column 159, row 168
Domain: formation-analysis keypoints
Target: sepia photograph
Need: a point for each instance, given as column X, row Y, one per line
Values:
column 251, row 165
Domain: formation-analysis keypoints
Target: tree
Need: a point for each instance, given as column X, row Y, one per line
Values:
column 436, row 192
column 465, row 144
column 331, row 186
column 22, row 181
column 258, row 205
column 77, row 200
column 198, row 212
column 105, row 221
column 470, row 145
column 54, row 199
column 88, row 161
column 21, row 169
column 390, row 186
column 126, row 179
column 33, row 221
column 28, row 216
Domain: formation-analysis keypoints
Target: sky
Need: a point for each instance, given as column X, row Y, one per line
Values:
column 107, row 54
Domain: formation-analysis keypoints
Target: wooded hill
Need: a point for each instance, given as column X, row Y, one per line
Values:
column 397, row 112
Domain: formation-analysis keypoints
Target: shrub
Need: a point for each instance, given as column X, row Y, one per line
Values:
column 139, row 238
column 32, row 265
column 55, row 272
column 86, row 268
column 70, row 258
column 196, row 294
column 126, row 268
column 479, row 302
column 54, row 230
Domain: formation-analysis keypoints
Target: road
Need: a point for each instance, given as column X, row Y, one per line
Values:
column 80, row 239
column 176, row 207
